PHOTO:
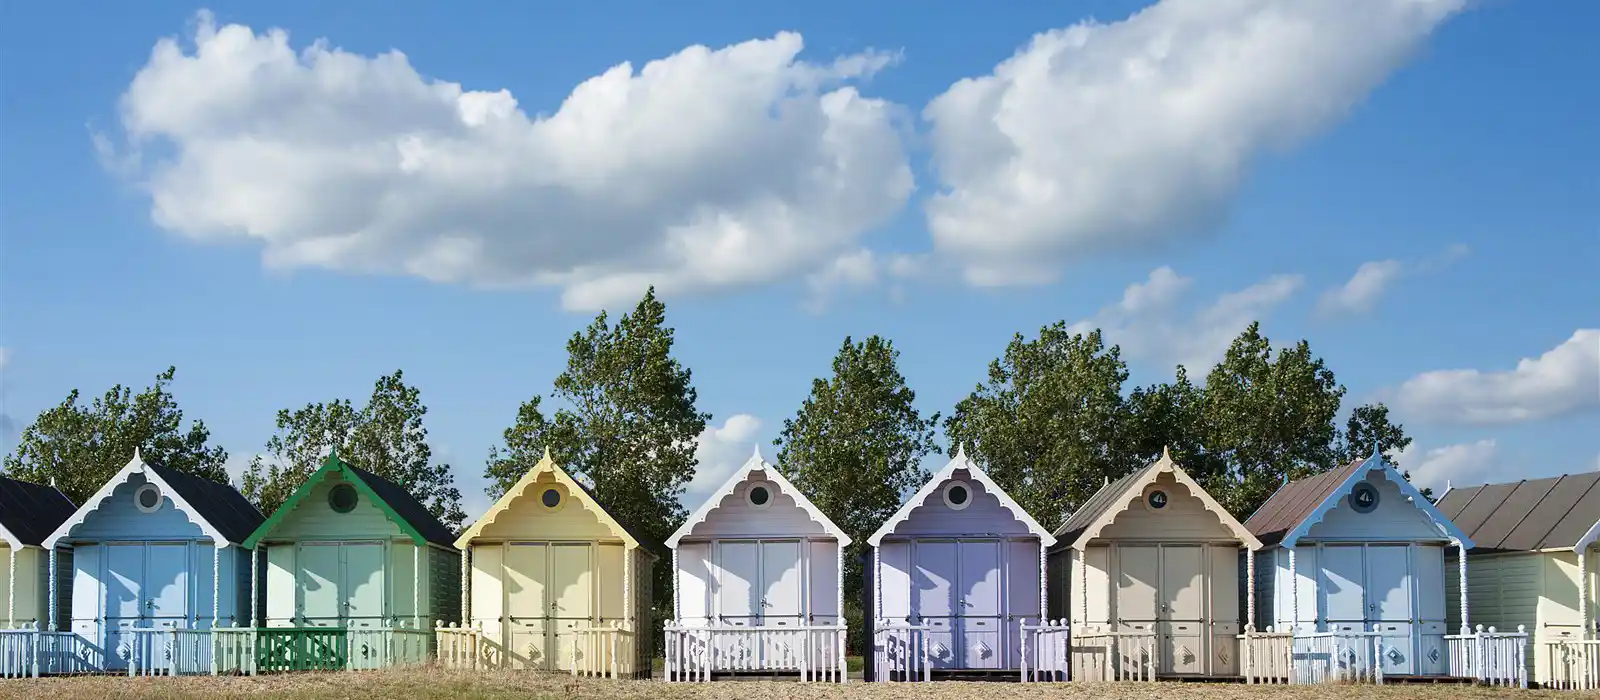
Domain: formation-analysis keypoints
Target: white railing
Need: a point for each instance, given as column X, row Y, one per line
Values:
column 1114, row 656
column 815, row 652
column 386, row 647
column 1574, row 664
column 461, row 647
column 233, row 651
column 30, row 652
column 19, row 653
column 148, row 652
column 1267, row 657
column 900, row 652
column 1490, row 657
column 1046, row 650
column 1338, row 657
column 605, row 652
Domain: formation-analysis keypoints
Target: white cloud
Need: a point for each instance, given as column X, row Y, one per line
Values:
column 5, row 358
column 1150, row 322
column 1465, row 464
column 236, row 466
column 1562, row 381
column 1362, row 291
column 721, row 451
column 859, row 270
column 1115, row 136
column 704, row 170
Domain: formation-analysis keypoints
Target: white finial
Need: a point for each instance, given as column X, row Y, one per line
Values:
column 1107, row 481
column 961, row 451
column 1447, row 485
column 1166, row 453
column 756, row 455
column 53, row 483
column 136, row 453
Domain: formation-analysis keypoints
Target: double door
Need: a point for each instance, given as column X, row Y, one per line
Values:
column 1368, row 588
column 550, row 598
column 147, row 587
column 760, row 583
column 956, row 593
column 1162, row 589
column 341, row 584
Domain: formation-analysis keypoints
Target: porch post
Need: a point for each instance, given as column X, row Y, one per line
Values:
column 51, row 611
column 1294, row 595
column 1083, row 585
column 838, row 587
column 877, row 583
column 1250, row 590
column 216, row 587
column 255, row 566
column 1044, row 592
column 677, row 590
column 416, row 585
column 11, row 590
column 1461, row 572
column 466, row 583
column 1583, row 593
column 627, row 580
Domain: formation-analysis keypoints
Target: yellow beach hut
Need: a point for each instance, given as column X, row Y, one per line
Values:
column 556, row 584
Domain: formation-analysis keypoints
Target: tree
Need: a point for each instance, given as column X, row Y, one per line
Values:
column 1266, row 418
column 1048, row 423
column 81, row 447
column 1369, row 425
column 1169, row 416
column 385, row 437
column 629, row 427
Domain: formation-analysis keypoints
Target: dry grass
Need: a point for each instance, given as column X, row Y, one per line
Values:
column 423, row 684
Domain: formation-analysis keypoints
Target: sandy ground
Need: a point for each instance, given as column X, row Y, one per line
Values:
column 421, row 684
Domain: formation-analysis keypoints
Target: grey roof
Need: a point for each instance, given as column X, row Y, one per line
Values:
column 1295, row 501
column 30, row 512
column 1099, row 504
column 1529, row 515
column 220, row 504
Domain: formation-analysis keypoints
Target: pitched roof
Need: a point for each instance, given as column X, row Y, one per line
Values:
column 1102, row 508
column 397, row 503
column 30, row 512
column 548, row 465
column 220, row 511
column 960, row 461
column 1298, row 505
column 756, row 463
column 1559, row 512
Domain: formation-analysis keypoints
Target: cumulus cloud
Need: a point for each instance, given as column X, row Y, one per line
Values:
column 705, row 170
column 1562, row 381
column 721, row 451
column 1115, row 136
column 1152, row 322
column 1361, row 293
column 859, row 270
column 1464, row 464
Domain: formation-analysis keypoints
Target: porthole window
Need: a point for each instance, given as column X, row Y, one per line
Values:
column 1364, row 498
column 957, row 495
column 342, row 498
column 551, row 498
column 759, row 496
column 1156, row 499
column 147, row 498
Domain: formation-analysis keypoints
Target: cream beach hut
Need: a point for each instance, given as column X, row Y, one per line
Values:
column 28, row 514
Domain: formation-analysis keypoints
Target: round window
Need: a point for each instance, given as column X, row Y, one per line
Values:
column 1364, row 498
column 759, row 496
column 342, row 498
column 551, row 498
column 147, row 498
column 957, row 495
column 1156, row 499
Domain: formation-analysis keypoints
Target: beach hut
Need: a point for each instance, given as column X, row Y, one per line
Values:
column 1353, row 561
column 158, row 562
column 1532, row 565
column 955, row 574
column 757, row 583
column 28, row 514
column 358, row 573
column 556, row 583
column 1147, row 571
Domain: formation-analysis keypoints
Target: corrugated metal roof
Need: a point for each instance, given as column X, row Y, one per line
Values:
column 1527, row 515
column 30, row 512
column 1294, row 501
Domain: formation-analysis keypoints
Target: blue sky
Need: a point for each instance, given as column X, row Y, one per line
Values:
column 285, row 224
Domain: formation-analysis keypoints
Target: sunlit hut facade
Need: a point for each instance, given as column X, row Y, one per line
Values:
column 1532, row 565
column 1354, row 566
column 157, row 566
column 1147, row 571
column 556, row 583
column 757, row 582
column 28, row 514
column 357, row 574
column 956, row 573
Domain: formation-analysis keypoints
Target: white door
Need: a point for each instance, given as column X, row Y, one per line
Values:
column 1389, row 606
column 979, row 618
column 738, row 578
column 1182, row 609
column 528, row 606
column 1343, row 587
column 781, row 592
column 934, row 599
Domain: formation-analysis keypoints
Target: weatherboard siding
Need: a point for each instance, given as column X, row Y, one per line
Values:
column 32, row 574
column 735, row 517
column 118, row 519
column 527, row 519
column 985, row 516
column 1185, row 519
column 314, row 519
column 1395, row 519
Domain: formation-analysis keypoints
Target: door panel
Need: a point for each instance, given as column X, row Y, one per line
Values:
column 1182, row 649
column 166, row 582
column 527, row 605
column 363, row 584
column 321, row 602
column 572, row 592
column 1397, row 652
column 1343, row 587
column 610, row 568
column 738, row 575
column 1224, row 649
column 1136, row 583
column 979, row 616
column 1389, row 583
column 124, row 577
column 488, row 597
column 1182, row 583
column 934, row 585
column 781, row 586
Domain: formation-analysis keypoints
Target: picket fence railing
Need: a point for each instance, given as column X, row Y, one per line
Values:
column 29, row 653
column 1114, row 656
column 900, row 652
column 1267, row 657
column 815, row 652
column 1046, row 650
column 1574, row 664
column 1490, row 657
column 605, row 652
column 462, row 647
